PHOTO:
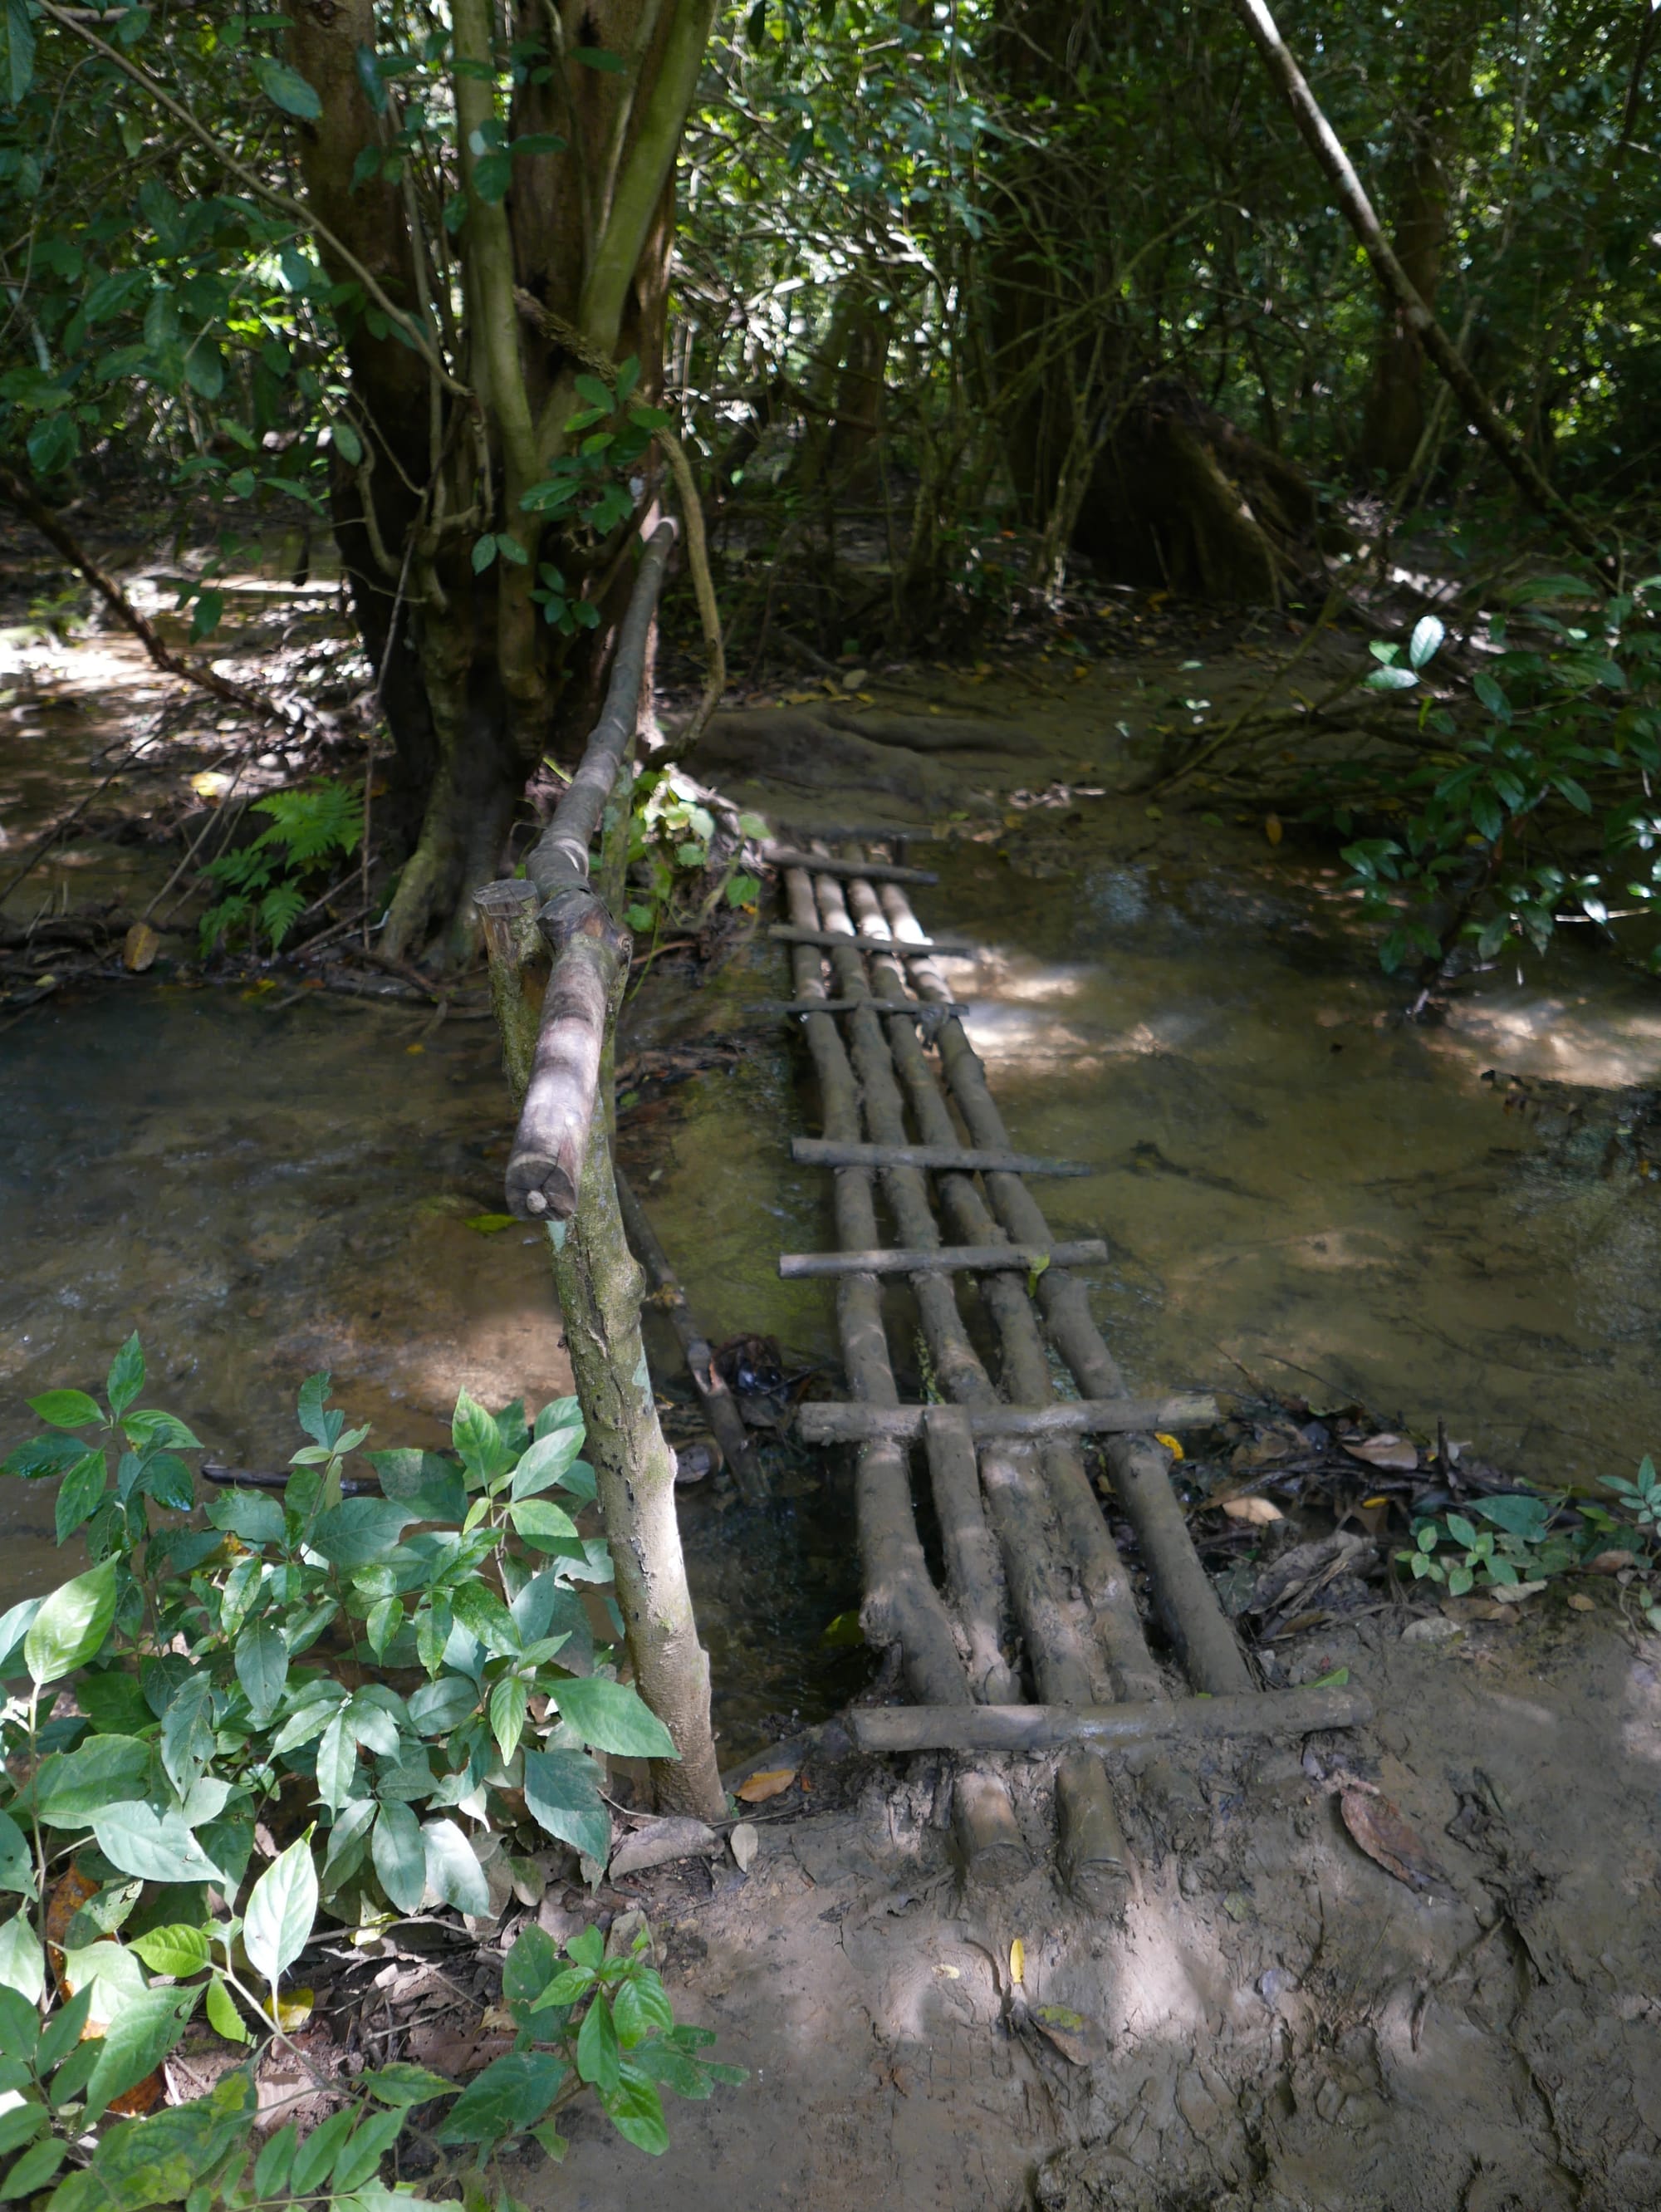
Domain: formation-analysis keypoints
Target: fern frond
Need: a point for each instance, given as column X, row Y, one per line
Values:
column 279, row 910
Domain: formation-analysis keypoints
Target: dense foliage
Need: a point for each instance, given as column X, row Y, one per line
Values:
column 199, row 1686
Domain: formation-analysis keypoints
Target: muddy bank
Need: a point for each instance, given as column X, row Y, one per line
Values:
column 1267, row 2019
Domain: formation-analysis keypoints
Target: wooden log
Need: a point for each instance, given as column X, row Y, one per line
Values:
column 892, row 1260
column 961, row 1159
column 590, row 952
column 820, row 1422
column 1184, row 1595
column 786, row 933
column 885, row 872
column 933, row 1012
column 726, row 1422
column 1181, row 1721
column 971, row 1577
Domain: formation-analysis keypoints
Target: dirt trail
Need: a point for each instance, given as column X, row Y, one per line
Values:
column 1268, row 2020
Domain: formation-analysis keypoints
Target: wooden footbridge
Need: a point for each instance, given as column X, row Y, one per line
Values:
column 1031, row 1643
column 1035, row 1643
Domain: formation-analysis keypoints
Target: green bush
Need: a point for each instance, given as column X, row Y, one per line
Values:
column 204, row 1702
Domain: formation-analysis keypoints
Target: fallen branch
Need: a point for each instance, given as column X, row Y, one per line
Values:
column 1187, row 1721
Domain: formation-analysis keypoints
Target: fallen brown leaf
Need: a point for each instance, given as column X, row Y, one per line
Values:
column 1581, row 1603
column 139, row 947
column 1259, row 1512
column 760, row 1787
column 1391, row 1451
column 1386, row 1838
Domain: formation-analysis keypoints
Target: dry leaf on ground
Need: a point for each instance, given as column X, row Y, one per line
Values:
column 760, row 1787
column 1070, row 2031
column 1017, row 1961
column 139, row 947
column 660, row 1842
column 1386, row 1837
column 1388, row 1451
column 1259, row 1512
column 744, row 1843
column 1581, row 1603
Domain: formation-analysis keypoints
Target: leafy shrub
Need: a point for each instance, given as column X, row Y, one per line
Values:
column 1531, row 1540
column 266, row 882
column 204, row 1703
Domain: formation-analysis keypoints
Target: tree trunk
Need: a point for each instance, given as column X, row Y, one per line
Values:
column 1394, row 421
column 477, row 687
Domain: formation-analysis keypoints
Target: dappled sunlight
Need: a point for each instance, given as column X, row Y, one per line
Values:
column 1612, row 1041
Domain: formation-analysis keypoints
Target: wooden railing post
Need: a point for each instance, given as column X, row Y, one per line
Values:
column 552, row 923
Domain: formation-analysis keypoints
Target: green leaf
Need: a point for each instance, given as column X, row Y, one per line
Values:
column 262, row 1668
column 430, row 1487
column 597, row 395
column 615, row 1718
column 66, row 1409
column 34, row 2169
column 405, row 2084
column 282, row 1908
column 20, row 2122
column 509, row 2096
column 22, row 1962
column 16, row 52
column 71, row 1786
column 1391, row 679
column 484, row 552
column 16, row 1866
column 507, row 1710
column 400, row 1856
column 246, row 1515
column 156, row 1846
column 561, row 1790
column 477, row 1440
column 311, row 1409
column 338, row 1761
column 641, row 2008
column 178, row 1949
column 635, row 2109
column 1427, row 635
column 319, row 2151
column 359, row 1531
column 537, row 1517
column 276, row 2158
column 52, row 444
column 547, row 1460
column 80, row 1492
column 452, row 1871
column 347, row 442
column 70, row 1627
column 126, row 1375
column 286, row 88
column 225, row 2019
column 599, row 2060
column 144, row 2029
column 363, row 2151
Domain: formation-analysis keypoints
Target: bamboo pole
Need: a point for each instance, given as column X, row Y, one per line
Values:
column 1183, row 1594
column 1188, row 1721
column 901, row 1260
column 963, row 1159
column 787, row 856
column 821, row 1421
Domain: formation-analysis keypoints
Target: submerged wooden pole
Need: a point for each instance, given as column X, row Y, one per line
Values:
column 826, row 1422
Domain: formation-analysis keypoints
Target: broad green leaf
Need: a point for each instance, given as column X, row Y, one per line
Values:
column 359, row 1531
column 361, row 2154
column 286, row 88
column 508, row 1701
column 641, row 2008
column 126, row 1375
column 338, row 1761
column 16, row 1865
column 399, row 1853
column 20, row 2122
column 635, row 2109
column 561, row 1790
column 178, row 1949
column 143, row 2031
column 509, row 2096
column 282, row 1908
column 80, row 1493
column 313, row 1400
column 319, row 2151
column 71, row 1624
column 156, row 1846
column 430, row 1487
column 539, row 1516
column 405, row 2084
column 225, row 2019
column 16, row 55
column 149, row 1431
column 262, row 1667
column 546, row 1460
column 477, row 1440
column 1426, row 640
column 452, row 1871
column 67, row 1409
column 615, row 1718
column 247, row 1515
column 481, row 1610
column 15, row 1624
column 275, row 2160
column 599, row 2061
column 22, row 1962
column 1391, row 679
column 34, row 2169
column 347, row 444
column 187, row 1730
column 438, row 1707
column 72, row 1786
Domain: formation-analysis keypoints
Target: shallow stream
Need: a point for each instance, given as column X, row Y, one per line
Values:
column 1296, row 1189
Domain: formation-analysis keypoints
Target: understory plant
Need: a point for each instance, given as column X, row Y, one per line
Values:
column 1529, row 798
column 684, row 863
column 265, row 885
column 320, row 1709
column 1526, row 1541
